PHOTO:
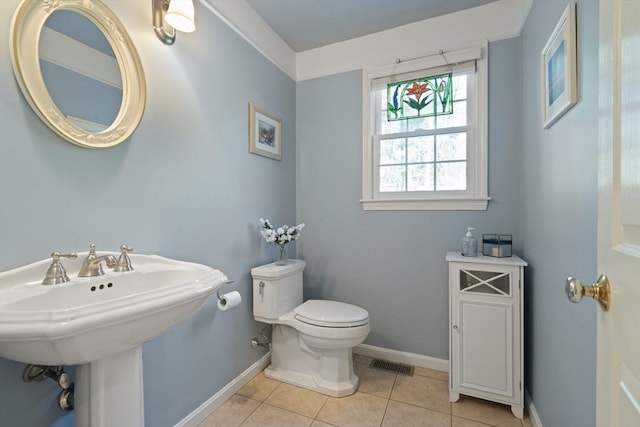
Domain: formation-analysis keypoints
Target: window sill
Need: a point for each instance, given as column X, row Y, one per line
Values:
column 444, row 204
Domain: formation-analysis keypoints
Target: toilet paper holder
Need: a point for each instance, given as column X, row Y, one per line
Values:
column 228, row 300
column 218, row 291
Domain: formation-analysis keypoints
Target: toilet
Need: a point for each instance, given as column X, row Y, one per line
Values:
column 311, row 341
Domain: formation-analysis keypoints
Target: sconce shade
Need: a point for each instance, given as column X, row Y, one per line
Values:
column 180, row 15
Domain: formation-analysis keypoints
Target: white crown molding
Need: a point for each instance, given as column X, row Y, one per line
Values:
column 245, row 21
column 498, row 20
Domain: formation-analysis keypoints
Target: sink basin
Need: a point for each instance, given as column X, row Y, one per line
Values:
column 99, row 323
column 90, row 318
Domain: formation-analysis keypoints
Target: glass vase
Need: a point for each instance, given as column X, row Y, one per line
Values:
column 282, row 257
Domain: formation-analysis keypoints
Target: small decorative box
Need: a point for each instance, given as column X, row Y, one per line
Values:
column 497, row 245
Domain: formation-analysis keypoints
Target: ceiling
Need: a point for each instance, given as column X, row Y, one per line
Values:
column 308, row 24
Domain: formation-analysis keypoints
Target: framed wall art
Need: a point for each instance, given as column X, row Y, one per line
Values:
column 559, row 69
column 265, row 133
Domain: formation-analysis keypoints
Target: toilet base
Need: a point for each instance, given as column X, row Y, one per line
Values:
column 345, row 388
column 324, row 370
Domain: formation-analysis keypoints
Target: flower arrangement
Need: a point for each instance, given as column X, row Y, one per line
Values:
column 280, row 236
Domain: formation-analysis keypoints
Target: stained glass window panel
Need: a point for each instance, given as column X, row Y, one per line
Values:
column 423, row 97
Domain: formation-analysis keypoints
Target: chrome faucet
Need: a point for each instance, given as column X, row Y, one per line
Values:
column 92, row 265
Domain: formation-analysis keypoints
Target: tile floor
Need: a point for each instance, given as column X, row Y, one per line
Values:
column 383, row 399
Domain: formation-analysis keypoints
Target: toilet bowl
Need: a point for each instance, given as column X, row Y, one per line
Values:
column 311, row 341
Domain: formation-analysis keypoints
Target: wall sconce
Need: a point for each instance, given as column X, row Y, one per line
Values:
column 178, row 15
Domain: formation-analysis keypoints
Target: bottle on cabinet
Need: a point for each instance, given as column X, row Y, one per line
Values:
column 469, row 244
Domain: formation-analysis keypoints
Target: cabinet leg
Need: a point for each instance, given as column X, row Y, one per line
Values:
column 453, row 396
column 518, row 411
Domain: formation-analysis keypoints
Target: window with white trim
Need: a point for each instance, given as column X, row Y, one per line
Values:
column 426, row 163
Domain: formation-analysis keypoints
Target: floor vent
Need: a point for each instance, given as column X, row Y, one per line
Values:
column 397, row 368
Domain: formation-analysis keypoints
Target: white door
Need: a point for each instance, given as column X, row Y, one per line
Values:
column 618, row 375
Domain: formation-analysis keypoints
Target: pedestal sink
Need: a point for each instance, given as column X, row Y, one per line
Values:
column 99, row 323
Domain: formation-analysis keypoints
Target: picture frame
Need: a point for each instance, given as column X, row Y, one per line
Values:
column 559, row 69
column 265, row 133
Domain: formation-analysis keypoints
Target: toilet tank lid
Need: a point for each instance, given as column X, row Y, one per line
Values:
column 273, row 271
column 331, row 312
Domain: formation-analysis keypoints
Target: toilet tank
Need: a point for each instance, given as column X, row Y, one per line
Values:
column 277, row 289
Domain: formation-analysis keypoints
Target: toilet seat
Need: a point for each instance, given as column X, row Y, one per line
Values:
column 331, row 314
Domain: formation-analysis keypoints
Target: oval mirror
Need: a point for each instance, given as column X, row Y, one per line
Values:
column 79, row 70
column 79, row 67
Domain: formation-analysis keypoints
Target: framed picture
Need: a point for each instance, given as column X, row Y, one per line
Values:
column 559, row 69
column 265, row 133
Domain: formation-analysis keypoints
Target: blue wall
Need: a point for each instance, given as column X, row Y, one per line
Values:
column 183, row 186
column 559, row 177
column 392, row 262
column 364, row 257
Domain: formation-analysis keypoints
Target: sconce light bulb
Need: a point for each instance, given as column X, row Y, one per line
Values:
column 180, row 15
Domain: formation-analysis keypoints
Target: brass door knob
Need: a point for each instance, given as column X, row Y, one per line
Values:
column 601, row 291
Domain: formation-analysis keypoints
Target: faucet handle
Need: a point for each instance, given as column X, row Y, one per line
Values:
column 56, row 273
column 124, row 263
column 92, row 251
column 57, row 255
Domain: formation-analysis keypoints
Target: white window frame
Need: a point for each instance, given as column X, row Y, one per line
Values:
column 476, row 196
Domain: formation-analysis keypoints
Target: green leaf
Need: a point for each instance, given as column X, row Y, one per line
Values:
column 412, row 103
column 425, row 102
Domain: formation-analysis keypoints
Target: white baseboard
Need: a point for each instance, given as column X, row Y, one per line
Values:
column 207, row 408
column 533, row 414
column 213, row 403
column 402, row 357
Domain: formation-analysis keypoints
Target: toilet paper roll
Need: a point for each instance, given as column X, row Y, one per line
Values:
column 229, row 300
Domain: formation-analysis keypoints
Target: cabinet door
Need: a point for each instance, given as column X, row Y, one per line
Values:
column 485, row 351
column 486, row 331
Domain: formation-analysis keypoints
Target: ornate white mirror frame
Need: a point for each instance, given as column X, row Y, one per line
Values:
column 26, row 29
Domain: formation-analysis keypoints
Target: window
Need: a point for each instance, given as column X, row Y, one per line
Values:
column 426, row 163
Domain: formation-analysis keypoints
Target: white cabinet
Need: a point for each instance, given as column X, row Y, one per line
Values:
column 485, row 335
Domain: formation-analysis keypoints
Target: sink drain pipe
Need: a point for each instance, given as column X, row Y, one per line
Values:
column 37, row 373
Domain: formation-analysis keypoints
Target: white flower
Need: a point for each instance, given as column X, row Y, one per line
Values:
column 282, row 235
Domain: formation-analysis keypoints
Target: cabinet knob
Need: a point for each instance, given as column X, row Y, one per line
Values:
column 601, row 291
column 455, row 327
